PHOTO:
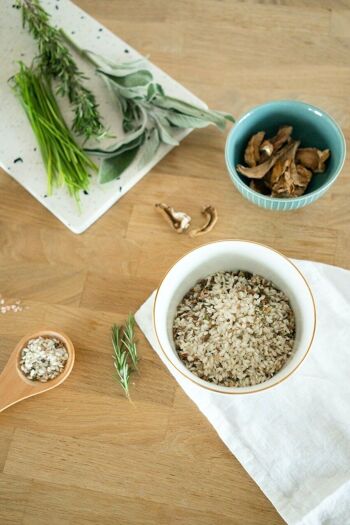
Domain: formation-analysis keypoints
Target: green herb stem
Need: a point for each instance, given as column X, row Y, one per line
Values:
column 129, row 340
column 124, row 352
column 121, row 360
column 65, row 162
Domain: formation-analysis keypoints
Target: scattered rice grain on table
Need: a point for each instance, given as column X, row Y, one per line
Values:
column 234, row 329
column 6, row 307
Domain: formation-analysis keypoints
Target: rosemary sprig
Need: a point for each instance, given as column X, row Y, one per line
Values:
column 129, row 340
column 65, row 162
column 56, row 61
column 121, row 360
column 125, row 352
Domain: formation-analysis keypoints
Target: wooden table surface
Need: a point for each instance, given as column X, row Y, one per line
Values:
column 82, row 454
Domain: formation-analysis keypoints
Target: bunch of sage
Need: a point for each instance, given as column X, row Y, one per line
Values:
column 149, row 115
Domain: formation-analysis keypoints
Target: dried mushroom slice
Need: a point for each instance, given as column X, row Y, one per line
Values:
column 252, row 152
column 293, row 182
column 258, row 172
column 313, row 158
column 275, row 143
column 291, row 176
column 284, row 184
column 274, row 175
column 211, row 216
column 302, row 180
column 323, row 156
column 285, row 165
column 178, row 220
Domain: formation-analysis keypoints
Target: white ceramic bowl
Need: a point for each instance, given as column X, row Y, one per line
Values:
column 235, row 255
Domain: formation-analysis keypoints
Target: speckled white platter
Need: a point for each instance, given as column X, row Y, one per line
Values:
column 19, row 155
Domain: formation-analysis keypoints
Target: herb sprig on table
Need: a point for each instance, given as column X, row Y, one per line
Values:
column 124, row 352
column 56, row 61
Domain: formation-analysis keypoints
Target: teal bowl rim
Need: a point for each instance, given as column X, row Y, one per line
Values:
column 236, row 178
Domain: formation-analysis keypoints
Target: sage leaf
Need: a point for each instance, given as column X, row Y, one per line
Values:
column 111, row 168
column 136, row 93
column 165, row 135
column 165, row 131
column 185, row 108
column 153, row 90
column 137, row 79
column 185, row 121
column 150, row 147
column 122, row 69
column 227, row 116
column 124, row 145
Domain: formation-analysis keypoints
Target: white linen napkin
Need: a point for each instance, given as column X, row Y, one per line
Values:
column 294, row 439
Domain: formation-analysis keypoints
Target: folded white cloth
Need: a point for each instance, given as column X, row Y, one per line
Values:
column 293, row 440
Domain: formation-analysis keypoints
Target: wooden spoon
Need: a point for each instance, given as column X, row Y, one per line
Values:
column 15, row 386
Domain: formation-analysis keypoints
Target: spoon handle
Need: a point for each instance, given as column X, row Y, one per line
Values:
column 12, row 387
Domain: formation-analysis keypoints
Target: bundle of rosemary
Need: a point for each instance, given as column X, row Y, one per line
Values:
column 64, row 160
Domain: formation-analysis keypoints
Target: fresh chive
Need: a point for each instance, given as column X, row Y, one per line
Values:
column 65, row 162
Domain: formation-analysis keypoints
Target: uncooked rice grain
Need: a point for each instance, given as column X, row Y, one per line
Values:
column 43, row 358
column 6, row 307
column 234, row 329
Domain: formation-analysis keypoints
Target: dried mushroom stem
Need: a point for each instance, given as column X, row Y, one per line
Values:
column 178, row 220
column 211, row 216
column 272, row 145
column 267, row 148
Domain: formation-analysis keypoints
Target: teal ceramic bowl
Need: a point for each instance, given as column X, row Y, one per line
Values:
column 311, row 125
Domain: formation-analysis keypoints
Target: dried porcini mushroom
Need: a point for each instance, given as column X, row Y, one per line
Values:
column 252, row 152
column 282, row 169
column 293, row 182
column 285, row 183
column 273, row 176
column 178, row 220
column 275, row 143
column 313, row 158
column 259, row 171
column 267, row 148
column 302, row 180
column 211, row 216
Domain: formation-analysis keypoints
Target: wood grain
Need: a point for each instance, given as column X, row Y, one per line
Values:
column 81, row 454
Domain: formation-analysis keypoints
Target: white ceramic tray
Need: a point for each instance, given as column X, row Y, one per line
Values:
column 19, row 155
